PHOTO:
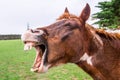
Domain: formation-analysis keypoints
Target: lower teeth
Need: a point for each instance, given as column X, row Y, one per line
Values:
column 33, row 70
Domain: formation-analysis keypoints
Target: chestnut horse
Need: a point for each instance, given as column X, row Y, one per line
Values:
column 71, row 40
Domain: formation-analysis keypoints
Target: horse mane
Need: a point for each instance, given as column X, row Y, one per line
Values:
column 107, row 35
column 102, row 33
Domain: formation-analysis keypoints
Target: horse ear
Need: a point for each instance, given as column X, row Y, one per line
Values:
column 65, row 15
column 66, row 10
column 85, row 13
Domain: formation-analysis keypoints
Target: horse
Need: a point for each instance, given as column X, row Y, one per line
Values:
column 72, row 40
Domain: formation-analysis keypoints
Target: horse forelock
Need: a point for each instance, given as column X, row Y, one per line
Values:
column 67, row 16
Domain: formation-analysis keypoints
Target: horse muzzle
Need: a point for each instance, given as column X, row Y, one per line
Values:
column 34, row 38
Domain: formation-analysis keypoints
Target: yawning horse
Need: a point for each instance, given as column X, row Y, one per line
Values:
column 71, row 40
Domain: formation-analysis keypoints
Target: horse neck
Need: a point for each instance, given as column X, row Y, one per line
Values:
column 93, row 44
column 91, row 40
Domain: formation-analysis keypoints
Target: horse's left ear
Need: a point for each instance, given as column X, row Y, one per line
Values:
column 85, row 13
column 66, row 10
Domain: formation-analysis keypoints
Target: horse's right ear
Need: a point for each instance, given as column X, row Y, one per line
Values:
column 85, row 13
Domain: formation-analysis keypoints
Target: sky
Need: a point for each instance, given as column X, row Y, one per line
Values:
column 16, row 14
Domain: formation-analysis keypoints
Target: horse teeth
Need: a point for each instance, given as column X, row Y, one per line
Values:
column 27, row 47
column 33, row 70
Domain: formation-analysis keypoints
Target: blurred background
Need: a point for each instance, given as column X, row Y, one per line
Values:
column 17, row 15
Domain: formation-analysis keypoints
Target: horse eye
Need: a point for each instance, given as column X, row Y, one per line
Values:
column 67, row 24
column 66, row 35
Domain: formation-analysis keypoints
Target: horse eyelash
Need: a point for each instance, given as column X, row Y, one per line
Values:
column 65, row 36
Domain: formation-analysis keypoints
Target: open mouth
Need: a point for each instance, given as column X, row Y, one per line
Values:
column 40, row 55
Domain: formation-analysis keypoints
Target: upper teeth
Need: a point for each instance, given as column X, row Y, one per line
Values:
column 27, row 47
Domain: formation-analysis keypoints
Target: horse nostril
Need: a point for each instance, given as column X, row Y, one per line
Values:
column 31, row 30
column 25, row 42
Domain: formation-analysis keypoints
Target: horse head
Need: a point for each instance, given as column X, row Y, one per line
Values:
column 59, row 43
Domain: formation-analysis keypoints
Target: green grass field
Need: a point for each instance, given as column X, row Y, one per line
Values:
column 15, row 64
